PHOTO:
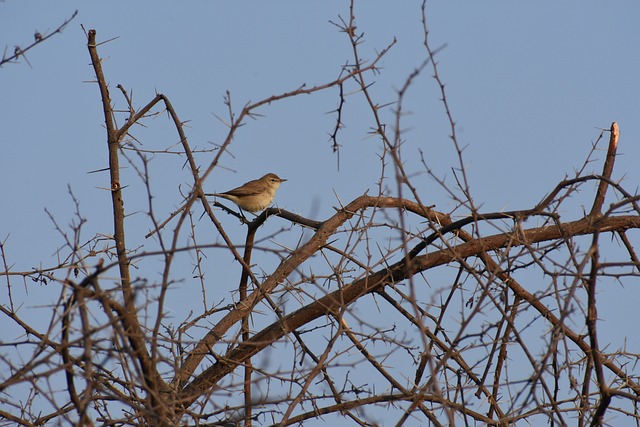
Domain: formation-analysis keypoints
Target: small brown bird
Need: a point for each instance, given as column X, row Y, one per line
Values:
column 255, row 195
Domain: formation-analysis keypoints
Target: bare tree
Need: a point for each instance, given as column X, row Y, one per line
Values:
column 387, row 310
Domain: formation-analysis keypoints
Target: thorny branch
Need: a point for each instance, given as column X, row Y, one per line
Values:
column 38, row 38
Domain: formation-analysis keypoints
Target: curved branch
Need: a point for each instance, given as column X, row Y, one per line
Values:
column 331, row 303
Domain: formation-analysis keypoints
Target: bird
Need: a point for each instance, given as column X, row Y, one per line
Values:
column 254, row 196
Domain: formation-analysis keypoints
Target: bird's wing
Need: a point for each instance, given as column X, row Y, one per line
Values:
column 243, row 190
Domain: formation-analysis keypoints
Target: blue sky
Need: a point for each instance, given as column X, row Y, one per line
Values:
column 529, row 85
